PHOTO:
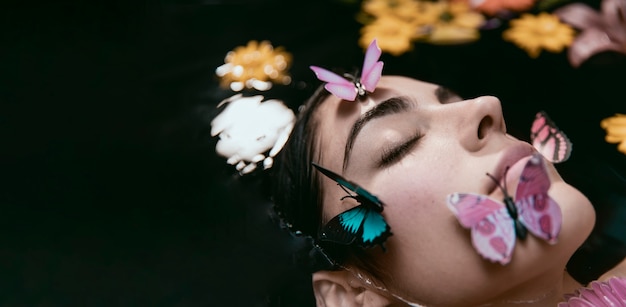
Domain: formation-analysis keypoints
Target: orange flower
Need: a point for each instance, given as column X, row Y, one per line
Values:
column 255, row 66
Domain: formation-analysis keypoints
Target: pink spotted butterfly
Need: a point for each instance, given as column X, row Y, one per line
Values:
column 549, row 140
column 494, row 224
column 349, row 89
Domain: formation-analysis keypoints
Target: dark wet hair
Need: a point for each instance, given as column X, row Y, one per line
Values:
column 296, row 190
column 297, row 194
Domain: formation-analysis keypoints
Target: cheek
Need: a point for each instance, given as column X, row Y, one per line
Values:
column 416, row 208
column 429, row 251
column 424, row 227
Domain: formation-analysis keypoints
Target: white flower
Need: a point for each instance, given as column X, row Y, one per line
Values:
column 251, row 130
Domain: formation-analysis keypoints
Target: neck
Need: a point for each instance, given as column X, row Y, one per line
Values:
column 538, row 292
column 542, row 291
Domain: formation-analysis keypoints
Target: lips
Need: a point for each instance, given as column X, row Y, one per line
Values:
column 509, row 157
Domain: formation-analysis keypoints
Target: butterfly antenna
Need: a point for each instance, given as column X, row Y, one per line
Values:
column 506, row 170
column 351, row 77
column 349, row 196
column 347, row 192
column 343, row 188
column 498, row 182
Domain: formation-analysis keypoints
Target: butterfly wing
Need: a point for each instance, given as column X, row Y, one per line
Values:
column 336, row 84
column 534, row 178
column 375, row 229
column 537, row 210
column 345, row 227
column 363, row 194
column 493, row 232
column 360, row 224
column 548, row 139
column 372, row 67
column 541, row 215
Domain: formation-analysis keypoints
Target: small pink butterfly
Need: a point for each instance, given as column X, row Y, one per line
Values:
column 495, row 225
column 549, row 140
column 348, row 90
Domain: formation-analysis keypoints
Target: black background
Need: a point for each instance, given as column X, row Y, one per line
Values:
column 111, row 192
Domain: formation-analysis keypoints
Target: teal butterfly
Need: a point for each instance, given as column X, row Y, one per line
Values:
column 362, row 225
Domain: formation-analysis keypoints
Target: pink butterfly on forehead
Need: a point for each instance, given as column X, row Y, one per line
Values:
column 348, row 89
column 549, row 140
column 494, row 225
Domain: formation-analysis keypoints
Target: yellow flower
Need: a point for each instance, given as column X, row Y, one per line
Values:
column 429, row 13
column 493, row 7
column 402, row 9
column 398, row 23
column 446, row 22
column 455, row 23
column 615, row 130
column 255, row 66
column 534, row 33
column 392, row 34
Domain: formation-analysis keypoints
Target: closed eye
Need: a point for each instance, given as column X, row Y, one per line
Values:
column 396, row 153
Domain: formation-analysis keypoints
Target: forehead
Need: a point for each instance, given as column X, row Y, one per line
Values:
column 335, row 117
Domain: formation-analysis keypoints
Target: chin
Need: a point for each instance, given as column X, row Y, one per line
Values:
column 578, row 214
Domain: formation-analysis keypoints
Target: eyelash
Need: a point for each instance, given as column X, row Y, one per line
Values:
column 394, row 154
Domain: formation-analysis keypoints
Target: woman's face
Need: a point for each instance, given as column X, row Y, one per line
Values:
column 424, row 144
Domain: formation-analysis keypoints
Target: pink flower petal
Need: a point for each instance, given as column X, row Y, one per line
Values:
column 619, row 288
column 579, row 302
column 590, row 42
column 591, row 296
column 603, row 290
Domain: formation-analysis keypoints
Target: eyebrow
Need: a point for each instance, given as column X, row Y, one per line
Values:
column 390, row 106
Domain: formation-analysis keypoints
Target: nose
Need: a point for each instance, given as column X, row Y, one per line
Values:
column 482, row 118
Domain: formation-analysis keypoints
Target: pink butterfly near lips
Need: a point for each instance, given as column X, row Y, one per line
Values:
column 494, row 224
column 549, row 140
column 349, row 89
